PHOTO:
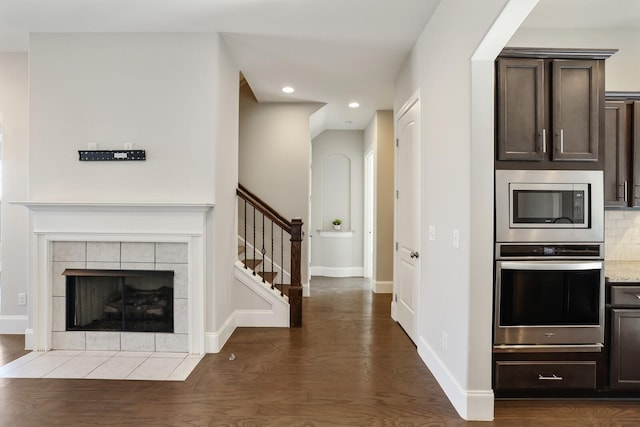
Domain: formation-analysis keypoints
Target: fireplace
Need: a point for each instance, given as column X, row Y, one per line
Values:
column 119, row 300
column 120, row 236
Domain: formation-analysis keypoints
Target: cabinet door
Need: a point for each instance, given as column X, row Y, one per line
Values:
column 575, row 109
column 625, row 348
column 521, row 109
column 635, row 148
column 617, row 155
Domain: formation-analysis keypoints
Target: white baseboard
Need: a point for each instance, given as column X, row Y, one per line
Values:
column 13, row 325
column 337, row 271
column 382, row 287
column 306, row 290
column 472, row 405
column 261, row 319
column 214, row 341
column 29, row 339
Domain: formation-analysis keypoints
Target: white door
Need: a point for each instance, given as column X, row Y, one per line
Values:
column 407, row 271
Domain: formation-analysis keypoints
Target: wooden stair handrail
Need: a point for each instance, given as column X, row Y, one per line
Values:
column 264, row 208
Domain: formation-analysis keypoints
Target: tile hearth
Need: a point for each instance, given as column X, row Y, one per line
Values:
column 109, row 365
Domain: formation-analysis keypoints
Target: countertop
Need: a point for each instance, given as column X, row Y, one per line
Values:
column 622, row 271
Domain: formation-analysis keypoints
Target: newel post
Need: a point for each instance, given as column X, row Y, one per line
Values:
column 295, row 292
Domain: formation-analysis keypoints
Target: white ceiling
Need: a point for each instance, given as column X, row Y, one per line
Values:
column 331, row 51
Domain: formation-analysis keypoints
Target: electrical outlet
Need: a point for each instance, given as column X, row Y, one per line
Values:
column 456, row 238
column 432, row 233
column 22, row 298
column 92, row 146
column 128, row 145
column 444, row 340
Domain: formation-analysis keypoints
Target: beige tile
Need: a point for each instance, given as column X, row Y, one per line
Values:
column 180, row 278
column 172, row 343
column 176, row 253
column 184, row 369
column 77, row 367
column 69, row 251
column 68, row 340
column 155, row 368
column 38, row 367
column 116, row 368
column 59, row 281
column 103, row 340
column 103, row 251
column 138, row 252
column 134, row 341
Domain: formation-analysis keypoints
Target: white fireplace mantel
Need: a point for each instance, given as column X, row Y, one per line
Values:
column 112, row 222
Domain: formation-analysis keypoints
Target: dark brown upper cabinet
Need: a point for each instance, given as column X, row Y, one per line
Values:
column 550, row 108
column 622, row 150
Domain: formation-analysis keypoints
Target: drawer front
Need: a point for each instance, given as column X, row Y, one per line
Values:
column 628, row 296
column 545, row 375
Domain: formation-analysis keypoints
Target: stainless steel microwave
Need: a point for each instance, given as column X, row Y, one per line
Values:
column 549, row 206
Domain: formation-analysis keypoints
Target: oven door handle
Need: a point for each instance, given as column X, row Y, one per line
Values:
column 550, row 265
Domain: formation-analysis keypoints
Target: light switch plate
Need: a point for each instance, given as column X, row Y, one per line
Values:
column 456, row 238
column 432, row 233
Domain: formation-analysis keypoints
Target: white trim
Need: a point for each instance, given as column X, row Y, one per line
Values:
column 306, row 289
column 474, row 405
column 13, row 325
column 333, row 234
column 214, row 341
column 382, row 287
column 278, row 316
column 337, row 271
column 28, row 339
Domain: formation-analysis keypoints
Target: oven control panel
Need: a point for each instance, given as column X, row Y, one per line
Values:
column 582, row 251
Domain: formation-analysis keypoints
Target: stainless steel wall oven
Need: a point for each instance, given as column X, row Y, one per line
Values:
column 549, row 294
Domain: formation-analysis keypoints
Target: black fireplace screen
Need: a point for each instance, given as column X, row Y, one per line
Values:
column 119, row 300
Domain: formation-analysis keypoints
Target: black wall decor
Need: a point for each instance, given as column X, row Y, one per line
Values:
column 111, row 155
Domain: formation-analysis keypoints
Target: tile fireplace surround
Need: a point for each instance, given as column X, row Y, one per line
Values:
column 120, row 256
column 149, row 236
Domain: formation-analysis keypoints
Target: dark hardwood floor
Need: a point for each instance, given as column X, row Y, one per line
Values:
column 349, row 365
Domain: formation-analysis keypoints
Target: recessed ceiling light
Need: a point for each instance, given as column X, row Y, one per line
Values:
column 288, row 89
column 354, row 105
column 348, row 122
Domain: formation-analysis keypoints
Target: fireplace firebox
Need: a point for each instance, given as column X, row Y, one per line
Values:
column 119, row 300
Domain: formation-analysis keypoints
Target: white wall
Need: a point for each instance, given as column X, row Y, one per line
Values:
column 224, row 236
column 156, row 91
column 457, row 193
column 15, row 219
column 174, row 95
column 337, row 192
column 274, row 158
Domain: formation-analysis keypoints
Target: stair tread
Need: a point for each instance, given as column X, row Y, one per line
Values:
column 240, row 249
column 268, row 275
column 284, row 288
column 252, row 263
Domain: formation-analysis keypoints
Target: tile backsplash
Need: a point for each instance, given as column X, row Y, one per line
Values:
column 622, row 235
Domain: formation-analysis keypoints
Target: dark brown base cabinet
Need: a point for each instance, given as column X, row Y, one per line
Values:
column 625, row 337
column 622, row 149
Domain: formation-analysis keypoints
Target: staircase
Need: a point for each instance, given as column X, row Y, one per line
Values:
column 269, row 249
